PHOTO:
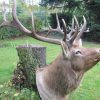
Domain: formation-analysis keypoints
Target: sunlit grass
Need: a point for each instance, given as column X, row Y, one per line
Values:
column 9, row 58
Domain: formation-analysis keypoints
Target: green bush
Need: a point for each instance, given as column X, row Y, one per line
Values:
column 8, row 32
column 7, row 92
column 94, row 34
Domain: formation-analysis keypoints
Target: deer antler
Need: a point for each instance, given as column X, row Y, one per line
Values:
column 74, row 33
column 72, row 29
column 74, row 37
column 58, row 29
column 79, row 34
column 75, row 30
column 65, row 50
column 54, row 41
column 5, row 21
column 16, row 21
column 65, row 30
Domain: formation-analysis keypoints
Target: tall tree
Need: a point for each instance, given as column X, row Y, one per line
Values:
column 66, row 4
column 93, row 7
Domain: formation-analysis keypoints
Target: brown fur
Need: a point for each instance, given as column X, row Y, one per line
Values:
column 63, row 75
column 60, row 70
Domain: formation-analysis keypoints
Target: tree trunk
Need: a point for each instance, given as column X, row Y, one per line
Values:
column 30, row 57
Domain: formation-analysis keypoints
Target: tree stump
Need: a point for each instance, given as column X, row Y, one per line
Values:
column 30, row 57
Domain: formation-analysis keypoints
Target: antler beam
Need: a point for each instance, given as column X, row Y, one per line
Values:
column 74, row 35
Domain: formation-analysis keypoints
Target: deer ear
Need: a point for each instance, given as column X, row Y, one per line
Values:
column 78, row 43
column 65, row 50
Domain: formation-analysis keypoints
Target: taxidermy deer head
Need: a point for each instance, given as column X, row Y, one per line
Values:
column 57, row 80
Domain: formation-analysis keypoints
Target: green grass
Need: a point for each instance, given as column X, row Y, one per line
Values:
column 9, row 58
column 90, row 86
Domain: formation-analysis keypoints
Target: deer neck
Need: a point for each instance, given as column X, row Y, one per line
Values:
column 60, row 76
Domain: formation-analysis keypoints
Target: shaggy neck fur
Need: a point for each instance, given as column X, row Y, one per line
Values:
column 61, row 77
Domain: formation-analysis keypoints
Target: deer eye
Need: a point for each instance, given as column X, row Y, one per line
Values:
column 78, row 52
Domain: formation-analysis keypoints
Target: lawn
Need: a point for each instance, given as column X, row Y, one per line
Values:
column 88, row 90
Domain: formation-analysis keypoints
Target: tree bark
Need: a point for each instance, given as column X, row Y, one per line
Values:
column 30, row 57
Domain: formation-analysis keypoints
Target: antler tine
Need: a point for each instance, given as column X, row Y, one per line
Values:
column 77, row 24
column 58, row 23
column 41, row 38
column 4, row 12
column 72, row 23
column 65, row 50
column 72, row 29
column 76, row 31
column 16, row 21
column 81, row 30
column 5, row 21
column 65, row 30
column 58, row 29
